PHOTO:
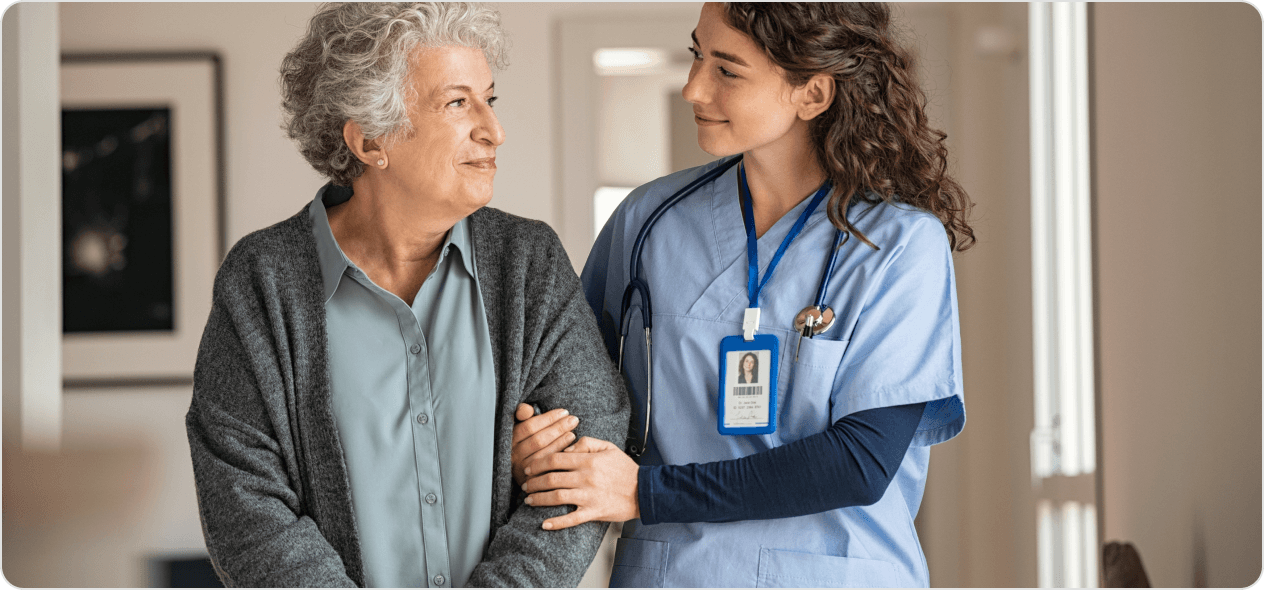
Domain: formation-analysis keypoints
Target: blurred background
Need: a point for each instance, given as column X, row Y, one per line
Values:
column 1110, row 313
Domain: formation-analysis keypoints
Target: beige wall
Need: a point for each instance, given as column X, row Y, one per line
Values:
column 1178, row 262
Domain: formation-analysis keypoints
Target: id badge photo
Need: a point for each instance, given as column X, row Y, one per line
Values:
column 748, row 385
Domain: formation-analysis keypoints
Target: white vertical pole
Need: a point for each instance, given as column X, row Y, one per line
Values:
column 1064, row 271
column 32, row 226
column 1046, row 547
column 1085, row 385
column 1063, row 441
column 1072, row 553
column 1043, row 463
column 1090, row 546
column 1061, row 241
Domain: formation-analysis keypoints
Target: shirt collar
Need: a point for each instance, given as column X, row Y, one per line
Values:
column 333, row 262
column 460, row 238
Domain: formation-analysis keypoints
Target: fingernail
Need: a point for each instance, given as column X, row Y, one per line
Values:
column 574, row 420
column 570, row 435
column 530, row 501
column 564, row 412
column 548, row 525
column 527, row 470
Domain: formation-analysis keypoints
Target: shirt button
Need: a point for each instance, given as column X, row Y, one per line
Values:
column 439, row 580
column 431, row 498
column 422, row 418
column 416, row 348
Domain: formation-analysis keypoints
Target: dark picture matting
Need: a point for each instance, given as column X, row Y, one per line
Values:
column 143, row 213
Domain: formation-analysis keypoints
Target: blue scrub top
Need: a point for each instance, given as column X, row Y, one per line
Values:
column 895, row 340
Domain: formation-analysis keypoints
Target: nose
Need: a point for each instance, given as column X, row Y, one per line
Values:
column 488, row 130
column 695, row 91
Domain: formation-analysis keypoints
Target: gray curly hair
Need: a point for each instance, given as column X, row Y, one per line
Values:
column 353, row 64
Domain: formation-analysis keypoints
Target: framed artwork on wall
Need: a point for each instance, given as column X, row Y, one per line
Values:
column 142, row 213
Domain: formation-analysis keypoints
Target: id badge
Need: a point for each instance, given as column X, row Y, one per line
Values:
column 748, row 385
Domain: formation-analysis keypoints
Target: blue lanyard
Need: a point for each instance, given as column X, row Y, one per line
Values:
column 753, row 284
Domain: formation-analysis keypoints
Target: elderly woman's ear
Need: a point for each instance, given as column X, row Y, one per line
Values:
column 365, row 150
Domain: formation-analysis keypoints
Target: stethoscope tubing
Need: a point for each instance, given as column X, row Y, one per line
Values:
column 828, row 273
column 635, row 284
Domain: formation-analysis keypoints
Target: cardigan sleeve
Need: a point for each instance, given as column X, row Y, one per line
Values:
column 256, row 531
column 563, row 365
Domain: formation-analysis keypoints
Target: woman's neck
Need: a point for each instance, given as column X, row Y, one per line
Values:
column 780, row 175
column 393, row 244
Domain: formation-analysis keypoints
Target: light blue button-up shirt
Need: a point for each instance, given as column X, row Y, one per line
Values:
column 414, row 395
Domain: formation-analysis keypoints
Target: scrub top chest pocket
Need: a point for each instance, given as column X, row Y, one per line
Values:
column 807, row 392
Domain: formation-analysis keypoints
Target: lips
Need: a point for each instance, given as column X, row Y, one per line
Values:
column 706, row 121
column 482, row 163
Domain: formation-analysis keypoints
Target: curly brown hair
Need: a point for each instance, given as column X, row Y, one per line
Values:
column 875, row 137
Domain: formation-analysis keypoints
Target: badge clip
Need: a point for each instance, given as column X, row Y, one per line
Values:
column 750, row 323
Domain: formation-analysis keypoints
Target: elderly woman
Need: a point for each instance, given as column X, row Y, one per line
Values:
column 352, row 416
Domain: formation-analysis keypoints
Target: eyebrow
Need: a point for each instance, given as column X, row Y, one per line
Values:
column 464, row 88
column 720, row 54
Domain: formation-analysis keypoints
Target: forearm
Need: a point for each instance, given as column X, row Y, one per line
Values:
column 850, row 464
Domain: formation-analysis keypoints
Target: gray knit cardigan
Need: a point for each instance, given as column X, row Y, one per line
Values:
column 272, row 486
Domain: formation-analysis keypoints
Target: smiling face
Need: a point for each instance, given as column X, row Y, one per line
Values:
column 748, row 363
column 448, row 161
column 741, row 101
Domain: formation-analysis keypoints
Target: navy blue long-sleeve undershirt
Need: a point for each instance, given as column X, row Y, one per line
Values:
column 850, row 464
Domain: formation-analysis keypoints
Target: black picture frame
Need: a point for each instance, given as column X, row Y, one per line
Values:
column 129, row 92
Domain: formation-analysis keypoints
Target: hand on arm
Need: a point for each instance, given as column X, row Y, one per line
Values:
column 595, row 476
column 539, row 436
column 850, row 464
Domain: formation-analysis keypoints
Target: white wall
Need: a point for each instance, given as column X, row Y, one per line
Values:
column 1178, row 261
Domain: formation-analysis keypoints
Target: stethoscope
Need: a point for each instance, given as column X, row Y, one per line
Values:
column 812, row 320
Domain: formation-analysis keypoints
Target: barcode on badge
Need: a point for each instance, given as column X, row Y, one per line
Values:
column 748, row 390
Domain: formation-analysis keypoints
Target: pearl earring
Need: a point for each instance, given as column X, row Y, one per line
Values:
column 381, row 162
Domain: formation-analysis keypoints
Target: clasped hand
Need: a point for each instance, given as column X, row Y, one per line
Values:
column 593, row 475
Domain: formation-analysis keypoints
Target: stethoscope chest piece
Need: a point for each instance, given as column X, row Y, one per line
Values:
column 813, row 320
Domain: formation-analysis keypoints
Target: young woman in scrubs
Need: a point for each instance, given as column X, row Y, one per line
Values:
column 806, row 94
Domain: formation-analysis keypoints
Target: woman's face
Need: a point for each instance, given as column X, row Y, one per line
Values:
column 741, row 102
column 449, row 159
column 748, row 363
